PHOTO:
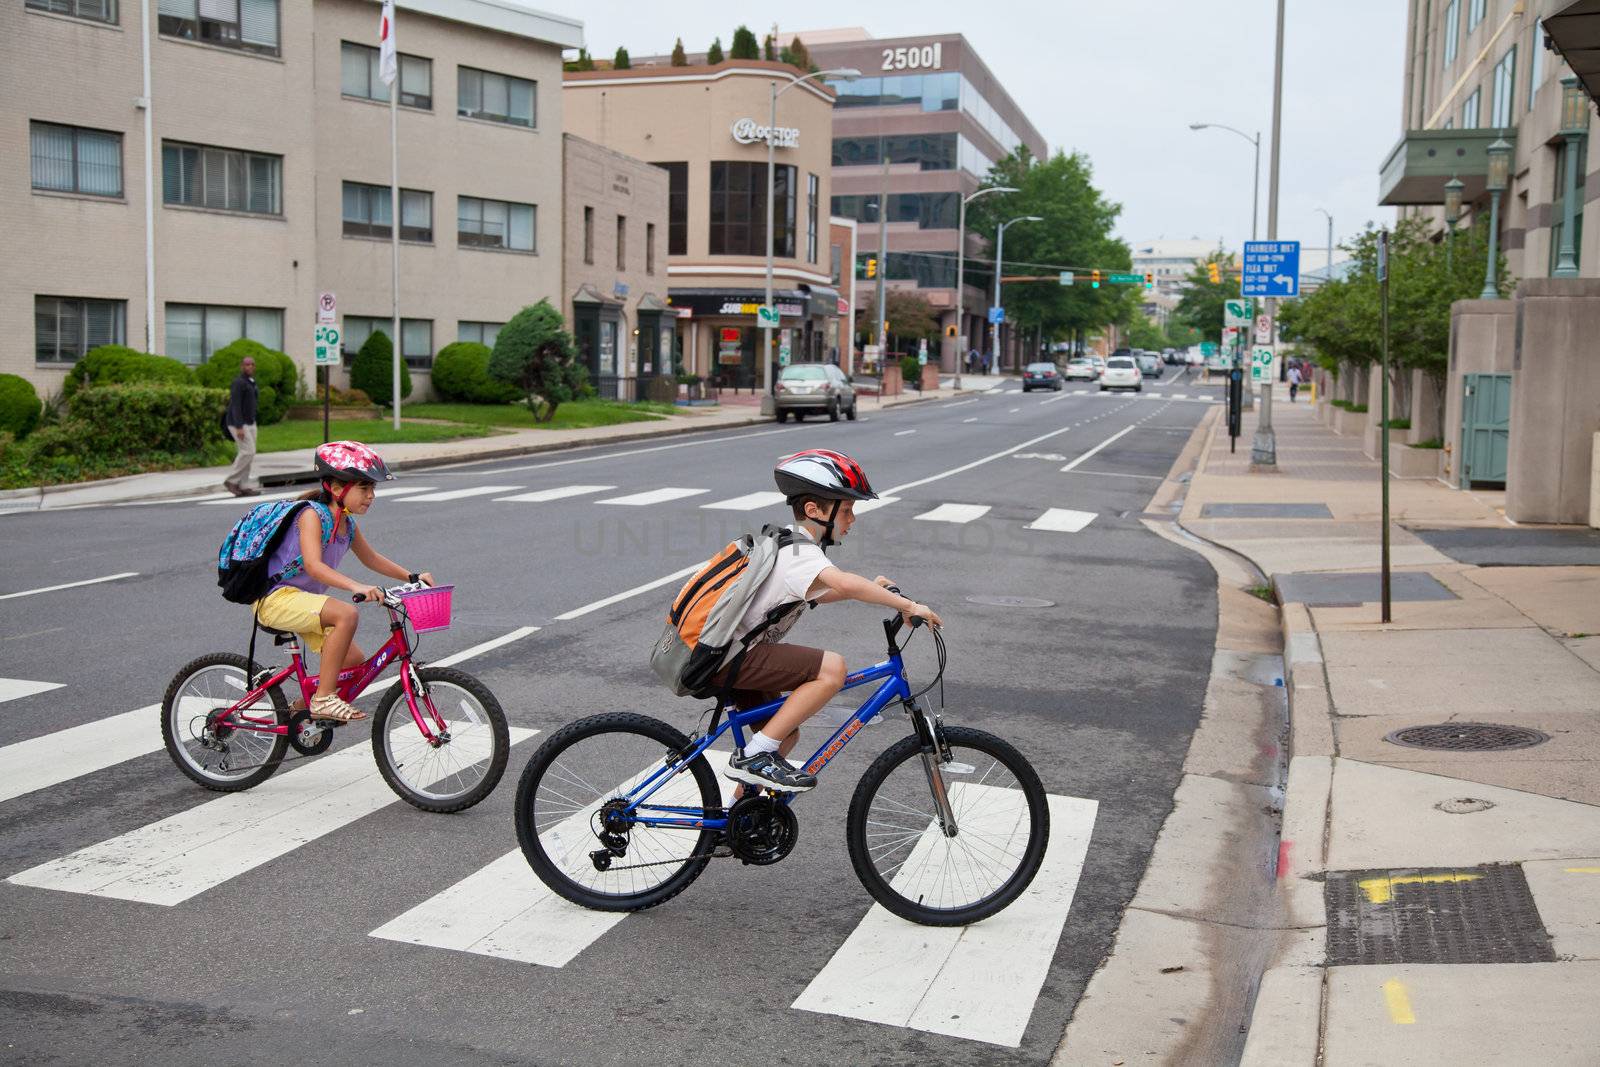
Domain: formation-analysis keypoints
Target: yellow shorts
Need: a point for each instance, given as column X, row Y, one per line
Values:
column 295, row 610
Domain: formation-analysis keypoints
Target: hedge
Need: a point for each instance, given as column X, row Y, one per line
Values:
column 461, row 374
column 110, row 364
column 129, row 420
column 372, row 371
column 276, row 376
column 19, row 405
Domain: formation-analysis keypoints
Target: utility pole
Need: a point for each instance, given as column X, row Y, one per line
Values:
column 1264, row 448
column 879, row 336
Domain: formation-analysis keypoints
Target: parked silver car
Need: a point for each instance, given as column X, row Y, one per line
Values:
column 814, row 389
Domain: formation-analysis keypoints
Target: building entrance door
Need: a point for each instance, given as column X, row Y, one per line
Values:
column 1485, row 428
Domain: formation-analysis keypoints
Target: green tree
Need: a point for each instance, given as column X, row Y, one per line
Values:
column 679, row 57
column 620, row 61
column 767, row 52
column 1201, row 305
column 535, row 353
column 908, row 317
column 276, row 376
column 1181, row 334
column 1140, row 332
column 714, row 53
column 372, row 371
column 583, row 62
column 796, row 55
column 744, row 45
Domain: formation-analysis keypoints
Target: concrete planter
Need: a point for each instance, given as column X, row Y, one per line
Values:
column 1408, row 462
column 1349, row 423
column 1398, row 439
column 930, row 377
column 337, row 411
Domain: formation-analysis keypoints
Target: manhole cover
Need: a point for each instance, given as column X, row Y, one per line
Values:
column 1464, row 805
column 1467, row 737
column 1011, row 601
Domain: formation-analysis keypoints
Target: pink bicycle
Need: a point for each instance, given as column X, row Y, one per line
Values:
column 439, row 736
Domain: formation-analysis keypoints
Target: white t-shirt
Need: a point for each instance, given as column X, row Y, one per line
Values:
column 791, row 579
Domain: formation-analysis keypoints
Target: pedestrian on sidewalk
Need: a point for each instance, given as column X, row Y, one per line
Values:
column 1294, row 383
column 987, row 359
column 240, row 421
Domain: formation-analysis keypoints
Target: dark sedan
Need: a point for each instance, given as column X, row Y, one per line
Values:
column 1041, row 376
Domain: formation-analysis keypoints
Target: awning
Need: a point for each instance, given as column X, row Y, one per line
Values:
column 704, row 303
column 1424, row 160
column 1575, row 31
column 823, row 299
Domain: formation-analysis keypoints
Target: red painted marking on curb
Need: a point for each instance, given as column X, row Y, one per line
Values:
column 1283, row 858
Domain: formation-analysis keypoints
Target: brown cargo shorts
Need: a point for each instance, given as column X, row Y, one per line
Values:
column 771, row 669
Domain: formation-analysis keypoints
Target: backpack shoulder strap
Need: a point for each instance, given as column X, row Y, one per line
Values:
column 325, row 515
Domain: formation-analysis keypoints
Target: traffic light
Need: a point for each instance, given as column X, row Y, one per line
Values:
column 872, row 266
column 1214, row 273
column 1094, row 279
column 950, row 330
column 1149, row 279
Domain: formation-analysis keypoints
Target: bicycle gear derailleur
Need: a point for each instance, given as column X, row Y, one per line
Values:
column 611, row 830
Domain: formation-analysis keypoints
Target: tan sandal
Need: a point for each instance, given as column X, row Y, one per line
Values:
column 332, row 708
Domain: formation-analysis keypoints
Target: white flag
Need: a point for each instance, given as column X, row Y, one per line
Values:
column 387, row 63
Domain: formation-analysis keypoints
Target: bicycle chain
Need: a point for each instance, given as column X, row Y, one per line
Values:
column 713, row 854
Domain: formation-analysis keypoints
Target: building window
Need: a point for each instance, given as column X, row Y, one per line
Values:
column 366, row 212
column 930, row 211
column 484, row 333
column 1558, row 202
column 358, row 76
column 68, row 159
column 481, row 94
column 588, row 236
column 93, row 10
column 622, row 242
column 813, row 187
column 739, row 209
column 1535, row 61
column 836, row 263
column 195, row 331
column 649, row 248
column 928, row 92
column 1505, row 80
column 1469, row 110
column 1450, row 28
column 1475, row 11
column 494, row 224
column 251, row 25
column 677, row 208
column 65, row 327
column 221, row 178
column 416, row 338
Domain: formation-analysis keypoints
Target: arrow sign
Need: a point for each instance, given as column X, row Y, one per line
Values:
column 1271, row 268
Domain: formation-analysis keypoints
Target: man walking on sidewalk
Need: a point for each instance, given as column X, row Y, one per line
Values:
column 241, row 423
column 1294, row 383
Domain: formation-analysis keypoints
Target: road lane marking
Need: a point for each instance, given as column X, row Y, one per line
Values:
column 1013, row 411
column 179, row 857
column 1052, row 400
column 69, row 585
column 977, row 982
column 958, row 513
column 53, row 758
column 460, row 494
column 616, row 455
column 960, row 403
column 1399, row 1004
column 963, row 468
column 902, row 433
column 617, row 598
column 259, row 498
column 1116, row 474
column 1381, row 890
column 544, row 496
column 654, row 496
column 748, row 502
column 1062, row 520
column 17, row 688
column 864, row 506
column 1098, row 447
column 1582, row 870
column 973, row 419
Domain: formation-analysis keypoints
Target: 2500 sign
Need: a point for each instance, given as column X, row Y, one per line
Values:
column 928, row 56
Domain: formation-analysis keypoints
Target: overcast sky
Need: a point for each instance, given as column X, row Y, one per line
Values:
column 1121, row 81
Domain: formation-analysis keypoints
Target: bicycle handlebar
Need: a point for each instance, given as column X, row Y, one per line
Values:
column 391, row 595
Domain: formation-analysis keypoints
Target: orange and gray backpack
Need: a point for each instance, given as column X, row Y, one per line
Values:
column 698, row 641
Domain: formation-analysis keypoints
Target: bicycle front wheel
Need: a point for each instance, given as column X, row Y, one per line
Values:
column 586, row 769
column 453, row 774
column 206, row 740
column 902, row 854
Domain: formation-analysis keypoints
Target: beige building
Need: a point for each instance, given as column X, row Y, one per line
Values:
column 706, row 127
column 614, row 214
column 253, row 174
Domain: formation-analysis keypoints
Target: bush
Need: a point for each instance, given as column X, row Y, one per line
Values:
column 372, row 371
column 342, row 398
column 461, row 374
column 131, row 420
column 535, row 353
column 19, row 405
column 110, row 364
column 276, row 376
column 911, row 371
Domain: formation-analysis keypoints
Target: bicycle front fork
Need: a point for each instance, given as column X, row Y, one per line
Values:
column 934, row 756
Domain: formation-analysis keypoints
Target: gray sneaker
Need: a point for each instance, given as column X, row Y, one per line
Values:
column 770, row 771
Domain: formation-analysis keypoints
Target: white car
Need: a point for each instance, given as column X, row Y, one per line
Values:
column 1122, row 373
column 1082, row 368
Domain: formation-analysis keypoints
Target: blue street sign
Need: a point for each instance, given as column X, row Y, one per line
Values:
column 997, row 315
column 1271, row 268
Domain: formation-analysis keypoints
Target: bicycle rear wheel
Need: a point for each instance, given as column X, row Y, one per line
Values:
column 904, row 858
column 592, row 763
column 458, row 773
column 210, row 749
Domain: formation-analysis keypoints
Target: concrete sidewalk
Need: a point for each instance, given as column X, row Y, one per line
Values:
column 281, row 468
column 1441, row 904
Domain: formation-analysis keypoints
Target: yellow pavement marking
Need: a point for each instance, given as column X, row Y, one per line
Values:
column 1381, row 890
column 1394, row 993
column 1583, row 870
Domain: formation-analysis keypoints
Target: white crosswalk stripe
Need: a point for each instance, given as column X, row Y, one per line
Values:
column 1062, row 520
column 460, row 494
column 53, row 758
column 17, row 688
column 955, row 513
column 654, row 496
column 864, row 506
column 544, row 496
column 748, row 502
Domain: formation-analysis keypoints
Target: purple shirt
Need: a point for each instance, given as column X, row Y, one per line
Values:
column 289, row 551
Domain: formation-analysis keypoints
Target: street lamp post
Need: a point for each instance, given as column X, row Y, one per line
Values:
column 999, row 260
column 961, row 264
column 1499, row 174
column 1452, row 215
column 1329, row 267
column 1574, row 127
column 1255, row 187
column 843, row 74
column 1264, row 446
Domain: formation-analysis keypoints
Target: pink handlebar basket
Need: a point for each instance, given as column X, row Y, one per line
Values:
column 429, row 609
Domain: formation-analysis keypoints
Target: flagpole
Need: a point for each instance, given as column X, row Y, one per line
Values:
column 394, row 236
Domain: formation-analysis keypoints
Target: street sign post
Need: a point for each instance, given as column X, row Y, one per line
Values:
column 1271, row 268
column 997, row 316
column 1263, row 330
column 1066, row 277
column 1260, row 364
column 766, row 315
column 325, row 343
column 1236, row 312
column 922, row 352
column 1125, row 279
column 327, row 310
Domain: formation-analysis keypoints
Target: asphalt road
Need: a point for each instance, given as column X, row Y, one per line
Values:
column 1101, row 689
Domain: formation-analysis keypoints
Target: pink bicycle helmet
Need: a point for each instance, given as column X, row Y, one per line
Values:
column 351, row 461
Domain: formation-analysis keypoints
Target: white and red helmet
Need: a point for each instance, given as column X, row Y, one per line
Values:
column 351, row 461
column 822, row 473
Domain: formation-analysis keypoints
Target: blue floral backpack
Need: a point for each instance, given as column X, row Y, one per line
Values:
column 247, row 550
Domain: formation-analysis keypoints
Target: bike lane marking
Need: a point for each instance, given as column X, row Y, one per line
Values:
column 173, row 859
column 69, row 585
column 977, row 982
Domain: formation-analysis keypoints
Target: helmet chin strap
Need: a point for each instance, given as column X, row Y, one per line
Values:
column 828, row 541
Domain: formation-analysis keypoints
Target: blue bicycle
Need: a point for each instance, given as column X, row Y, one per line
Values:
column 620, row 812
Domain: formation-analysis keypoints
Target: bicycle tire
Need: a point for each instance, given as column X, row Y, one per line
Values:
column 499, row 733
column 529, row 834
column 170, row 738
column 880, row 887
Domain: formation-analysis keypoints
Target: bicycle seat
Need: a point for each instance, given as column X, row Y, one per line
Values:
column 279, row 637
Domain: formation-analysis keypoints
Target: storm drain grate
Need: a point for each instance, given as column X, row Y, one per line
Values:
column 1439, row 915
column 1467, row 737
column 1011, row 601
